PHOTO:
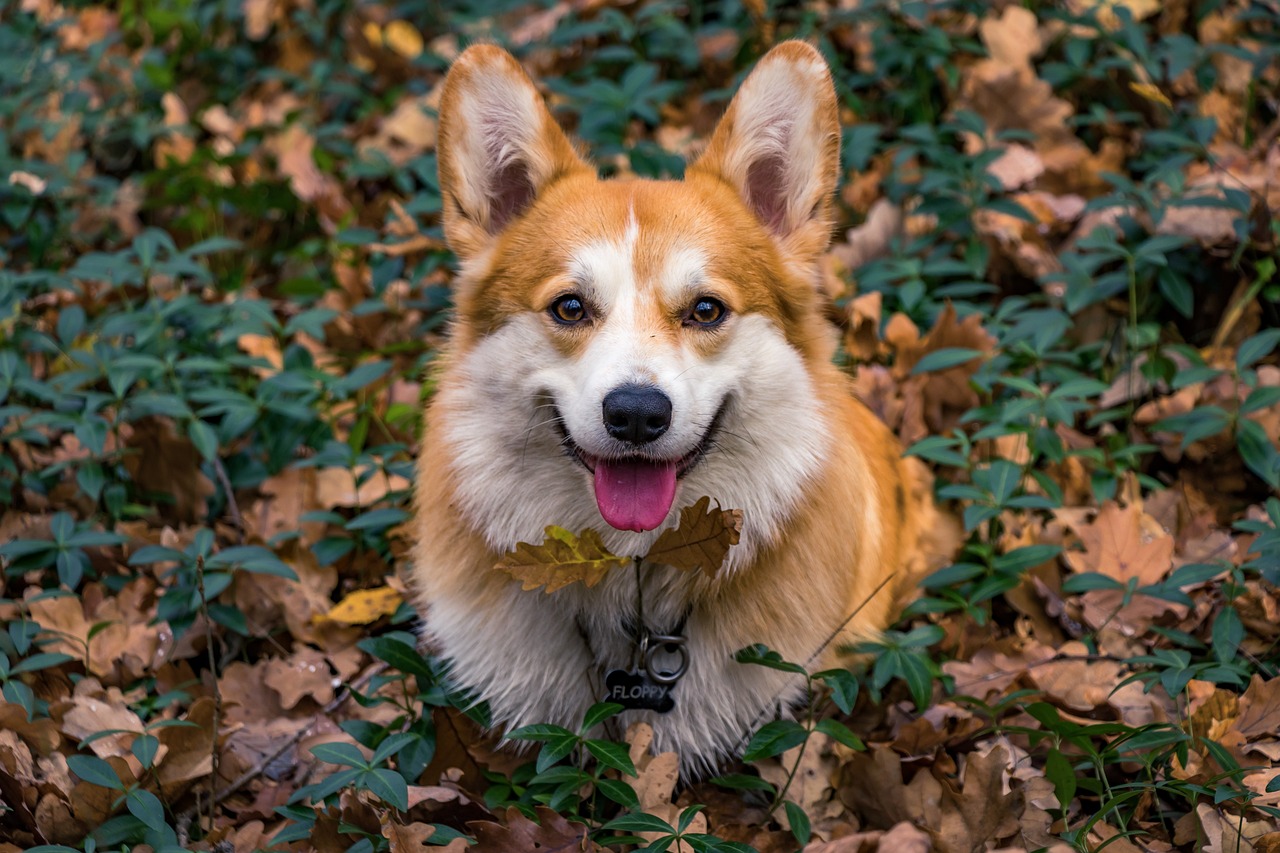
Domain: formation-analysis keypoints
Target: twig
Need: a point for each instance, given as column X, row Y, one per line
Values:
column 217, row 694
column 232, row 507
column 263, row 763
column 742, row 741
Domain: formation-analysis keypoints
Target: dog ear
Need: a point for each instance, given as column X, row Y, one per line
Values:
column 778, row 145
column 498, row 146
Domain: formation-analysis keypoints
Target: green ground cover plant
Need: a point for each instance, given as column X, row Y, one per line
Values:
column 222, row 285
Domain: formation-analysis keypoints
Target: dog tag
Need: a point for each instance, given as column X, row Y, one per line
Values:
column 636, row 691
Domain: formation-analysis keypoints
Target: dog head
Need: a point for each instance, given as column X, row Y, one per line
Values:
column 620, row 343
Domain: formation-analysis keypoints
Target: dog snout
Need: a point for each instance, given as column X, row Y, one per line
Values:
column 637, row 414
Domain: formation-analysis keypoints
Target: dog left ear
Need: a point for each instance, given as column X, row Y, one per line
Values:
column 778, row 145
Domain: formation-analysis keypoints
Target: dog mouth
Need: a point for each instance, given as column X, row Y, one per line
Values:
column 634, row 491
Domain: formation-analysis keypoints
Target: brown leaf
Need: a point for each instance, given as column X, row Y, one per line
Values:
column 655, row 782
column 303, row 674
column 187, row 749
column 164, row 461
column 560, row 560
column 1081, row 685
column 1123, row 544
column 405, row 839
column 1260, row 708
column 519, row 834
column 701, row 539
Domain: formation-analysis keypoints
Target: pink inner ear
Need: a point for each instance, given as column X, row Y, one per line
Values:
column 510, row 194
column 766, row 191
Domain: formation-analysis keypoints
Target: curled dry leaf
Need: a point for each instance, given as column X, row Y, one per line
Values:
column 701, row 540
column 561, row 560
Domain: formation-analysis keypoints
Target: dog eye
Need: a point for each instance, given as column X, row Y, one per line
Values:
column 568, row 310
column 707, row 311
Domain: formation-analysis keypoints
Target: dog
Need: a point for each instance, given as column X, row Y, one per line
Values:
column 622, row 348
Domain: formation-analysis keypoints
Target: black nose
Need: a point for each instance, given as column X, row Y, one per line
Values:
column 636, row 413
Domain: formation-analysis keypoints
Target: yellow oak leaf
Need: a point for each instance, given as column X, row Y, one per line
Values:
column 701, row 540
column 561, row 560
column 363, row 606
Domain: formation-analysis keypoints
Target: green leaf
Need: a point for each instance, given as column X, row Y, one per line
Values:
column 555, row 749
column 843, row 685
column 838, row 731
column 598, row 713
column 146, row 807
column 1021, row 559
column 759, row 654
column 42, row 660
column 389, row 786
column 620, row 792
column 1257, row 347
column 398, row 654
column 1260, row 398
column 1086, row 581
column 942, row 359
column 345, row 754
column 613, row 755
column 1058, row 770
column 1228, row 633
column 640, row 822
column 1258, row 452
column 540, row 731
column 687, row 816
column 93, row 769
column 799, row 822
column 144, row 748
column 774, row 739
column 155, row 554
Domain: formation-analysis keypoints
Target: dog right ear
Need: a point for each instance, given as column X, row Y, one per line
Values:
column 498, row 147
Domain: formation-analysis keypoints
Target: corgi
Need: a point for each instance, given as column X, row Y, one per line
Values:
column 620, row 349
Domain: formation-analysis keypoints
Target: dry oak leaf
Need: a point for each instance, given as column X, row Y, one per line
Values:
column 305, row 673
column 1080, row 685
column 519, row 834
column 1259, row 708
column 701, row 540
column 561, row 560
column 655, row 782
column 1123, row 544
column 364, row 606
column 405, row 839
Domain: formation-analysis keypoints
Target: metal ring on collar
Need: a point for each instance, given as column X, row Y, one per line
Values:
column 673, row 645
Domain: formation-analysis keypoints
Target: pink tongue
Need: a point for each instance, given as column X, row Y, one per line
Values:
column 634, row 494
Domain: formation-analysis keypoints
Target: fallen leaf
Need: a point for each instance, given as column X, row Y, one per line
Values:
column 517, row 834
column 364, row 606
column 402, row 838
column 1259, row 708
column 655, row 782
column 560, row 560
column 701, row 540
column 303, row 674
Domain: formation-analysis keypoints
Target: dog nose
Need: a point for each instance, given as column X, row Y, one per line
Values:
column 637, row 414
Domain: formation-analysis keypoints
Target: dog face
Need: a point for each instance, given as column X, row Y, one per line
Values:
column 621, row 344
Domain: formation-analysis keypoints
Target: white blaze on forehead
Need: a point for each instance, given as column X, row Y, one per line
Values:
column 606, row 270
